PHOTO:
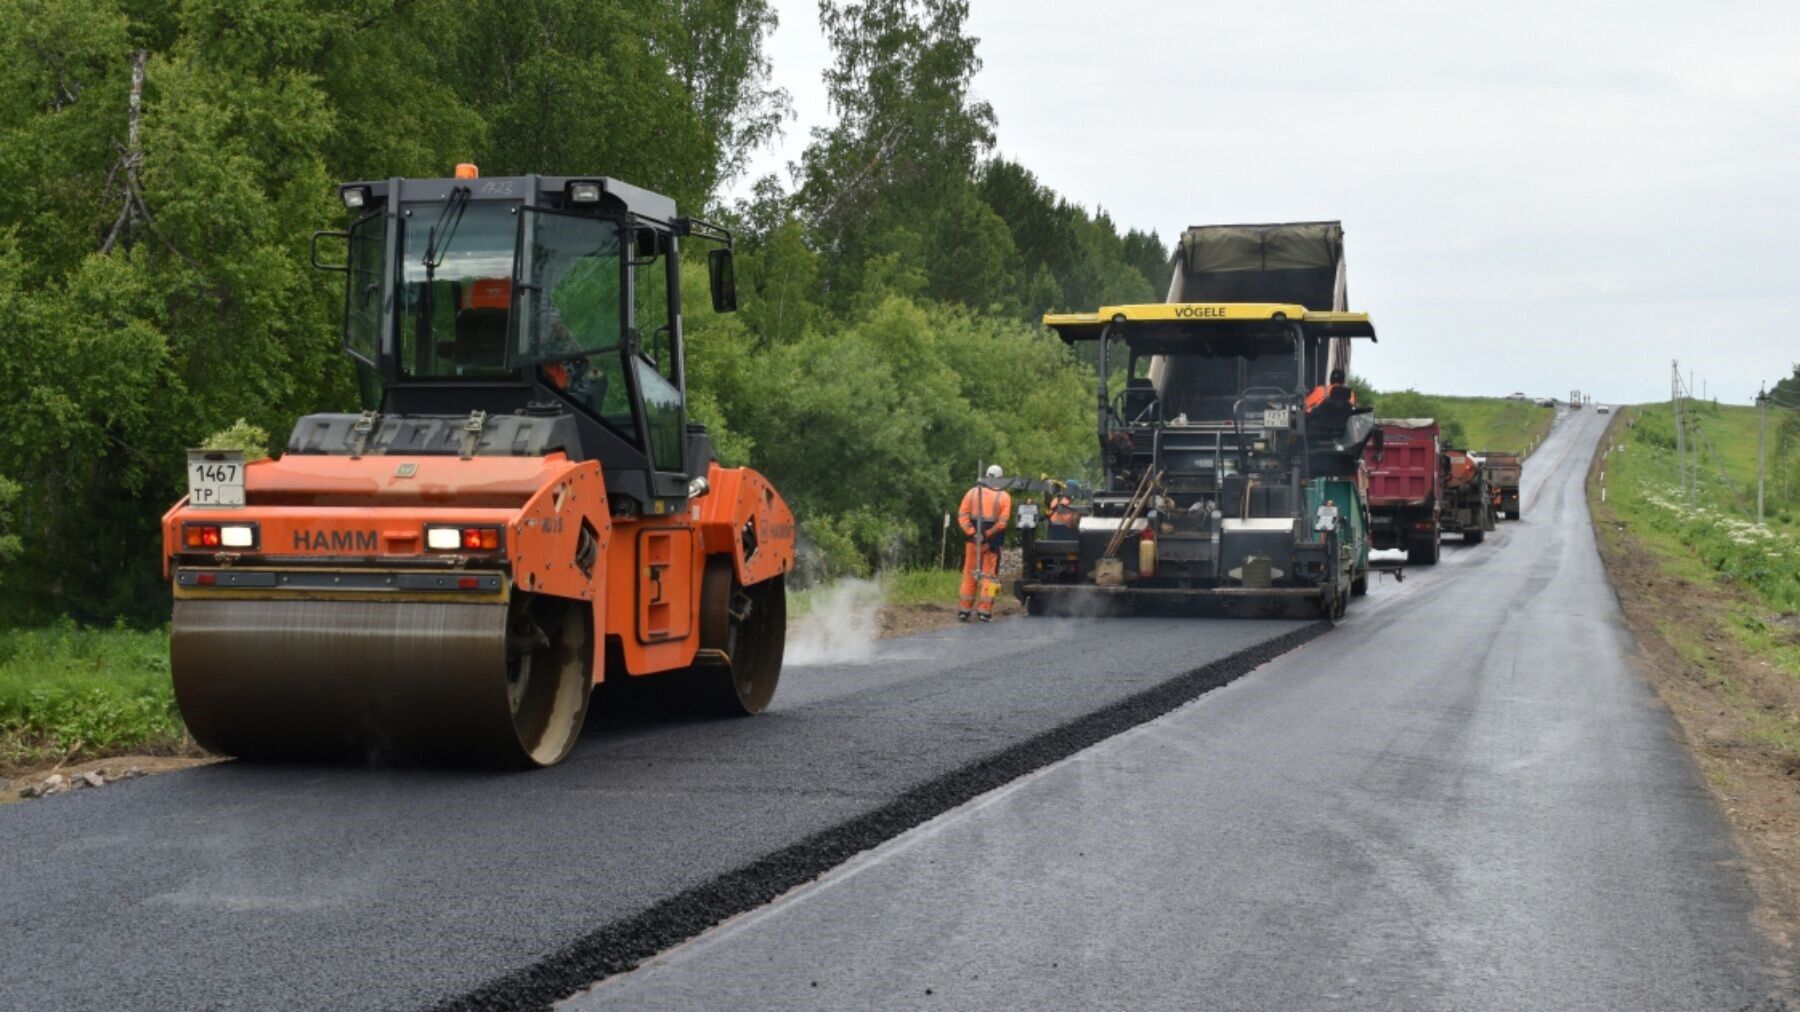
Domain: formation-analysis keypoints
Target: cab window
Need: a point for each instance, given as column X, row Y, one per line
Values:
column 362, row 298
column 570, row 316
column 456, row 288
column 650, row 300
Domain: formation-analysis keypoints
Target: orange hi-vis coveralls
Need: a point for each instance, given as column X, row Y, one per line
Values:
column 990, row 507
column 1321, row 392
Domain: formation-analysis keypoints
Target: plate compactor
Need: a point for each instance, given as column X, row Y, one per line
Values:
column 523, row 512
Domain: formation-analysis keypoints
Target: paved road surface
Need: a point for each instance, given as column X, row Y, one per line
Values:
column 1463, row 798
column 235, row 886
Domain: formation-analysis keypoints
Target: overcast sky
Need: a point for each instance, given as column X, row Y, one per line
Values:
column 1536, row 196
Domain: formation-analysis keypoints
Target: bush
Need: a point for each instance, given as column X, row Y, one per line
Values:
column 66, row 689
column 9, row 542
column 240, row 435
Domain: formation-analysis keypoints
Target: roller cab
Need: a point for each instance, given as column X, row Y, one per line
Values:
column 522, row 509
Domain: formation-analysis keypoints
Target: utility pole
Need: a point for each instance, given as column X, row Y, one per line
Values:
column 1762, row 413
column 1681, row 458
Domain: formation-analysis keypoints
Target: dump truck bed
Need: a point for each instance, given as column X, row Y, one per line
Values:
column 1405, row 473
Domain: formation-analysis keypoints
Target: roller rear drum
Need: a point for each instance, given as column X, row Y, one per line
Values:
column 487, row 684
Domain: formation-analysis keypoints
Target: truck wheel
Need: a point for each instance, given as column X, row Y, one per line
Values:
column 1359, row 587
column 1473, row 535
column 1423, row 553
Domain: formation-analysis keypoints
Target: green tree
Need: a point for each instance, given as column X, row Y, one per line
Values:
column 162, row 167
column 1089, row 263
column 908, row 132
column 9, row 542
column 715, row 49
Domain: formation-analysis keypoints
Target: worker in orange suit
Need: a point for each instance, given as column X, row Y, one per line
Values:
column 1063, row 519
column 1321, row 393
column 983, row 521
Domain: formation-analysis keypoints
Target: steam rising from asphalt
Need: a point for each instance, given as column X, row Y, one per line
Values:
column 839, row 626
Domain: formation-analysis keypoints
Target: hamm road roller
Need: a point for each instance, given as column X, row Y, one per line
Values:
column 522, row 511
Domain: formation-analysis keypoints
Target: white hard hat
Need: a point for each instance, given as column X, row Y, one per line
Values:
column 994, row 471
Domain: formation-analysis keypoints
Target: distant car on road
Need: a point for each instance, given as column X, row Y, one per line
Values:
column 1546, row 402
column 1516, row 395
column 1603, row 409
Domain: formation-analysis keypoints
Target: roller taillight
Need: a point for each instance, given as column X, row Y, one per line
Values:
column 462, row 539
column 219, row 535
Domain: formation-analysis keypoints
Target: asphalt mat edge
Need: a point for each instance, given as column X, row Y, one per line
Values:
column 622, row 945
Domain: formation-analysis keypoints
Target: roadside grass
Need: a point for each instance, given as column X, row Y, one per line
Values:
column 1644, row 486
column 1727, row 480
column 1493, row 423
column 1713, row 546
column 923, row 586
column 72, row 693
column 1488, row 423
column 894, row 587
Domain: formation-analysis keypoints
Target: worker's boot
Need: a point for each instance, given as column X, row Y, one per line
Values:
column 962, row 614
column 985, row 616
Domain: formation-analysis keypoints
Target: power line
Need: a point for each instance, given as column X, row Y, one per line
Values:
column 1693, row 421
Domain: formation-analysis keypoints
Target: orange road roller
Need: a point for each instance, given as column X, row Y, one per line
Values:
column 522, row 512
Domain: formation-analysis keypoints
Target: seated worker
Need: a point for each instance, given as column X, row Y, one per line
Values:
column 1064, row 521
column 1324, row 391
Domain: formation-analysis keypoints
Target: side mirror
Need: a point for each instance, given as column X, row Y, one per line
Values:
column 724, row 280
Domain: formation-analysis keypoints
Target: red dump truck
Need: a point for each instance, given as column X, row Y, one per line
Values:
column 1405, row 489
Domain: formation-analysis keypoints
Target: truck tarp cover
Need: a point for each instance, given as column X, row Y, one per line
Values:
column 1297, row 263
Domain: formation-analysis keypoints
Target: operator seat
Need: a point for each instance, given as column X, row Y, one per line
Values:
column 1139, row 403
column 481, row 338
column 481, row 324
column 1326, row 422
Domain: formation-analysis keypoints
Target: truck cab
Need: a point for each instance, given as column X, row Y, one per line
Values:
column 538, row 296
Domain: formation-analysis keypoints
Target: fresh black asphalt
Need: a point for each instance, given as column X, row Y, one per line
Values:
column 1463, row 798
column 241, row 886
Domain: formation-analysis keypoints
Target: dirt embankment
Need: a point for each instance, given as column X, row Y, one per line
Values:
column 906, row 619
column 1723, row 695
